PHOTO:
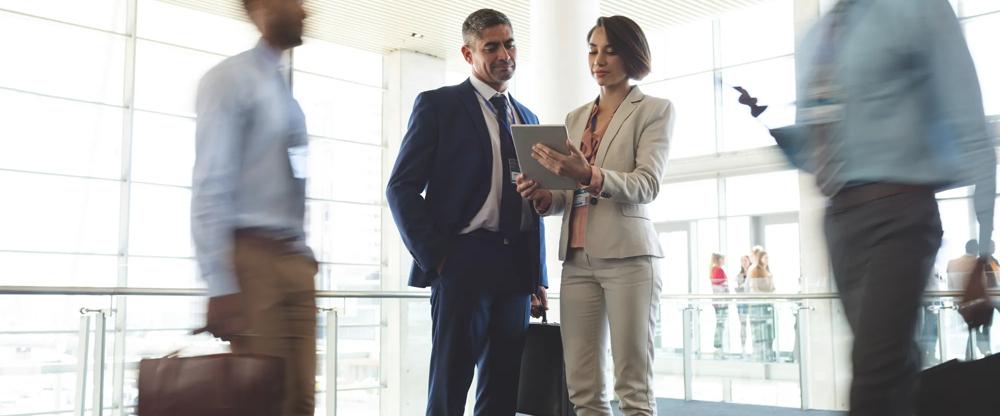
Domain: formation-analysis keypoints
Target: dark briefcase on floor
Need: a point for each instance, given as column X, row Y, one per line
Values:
column 211, row 385
column 542, row 388
column 957, row 388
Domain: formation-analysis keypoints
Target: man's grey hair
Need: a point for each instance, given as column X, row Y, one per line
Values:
column 481, row 20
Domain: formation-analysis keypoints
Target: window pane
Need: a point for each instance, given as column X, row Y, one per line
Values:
column 977, row 7
column 344, row 233
column 328, row 59
column 707, row 235
column 86, row 140
column 101, row 14
column 160, row 272
column 955, row 222
column 757, row 32
column 782, row 242
column 31, row 269
column 162, row 149
column 339, row 277
column 182, row 26
column 340, row 110
column 160, row 223
column 773, row 82
column 345, row 171
column 693, row 98
column 682, row 50
column 982, row 33
column 166, row 77
column 701, row 200
column 762, row 193
column 61, row 60
column 738, row 244
column 51, row 213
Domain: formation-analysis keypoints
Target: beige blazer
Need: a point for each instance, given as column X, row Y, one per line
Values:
column 632, row 157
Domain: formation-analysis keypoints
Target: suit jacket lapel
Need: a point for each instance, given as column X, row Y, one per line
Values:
column 471, row 103
column 624, row 111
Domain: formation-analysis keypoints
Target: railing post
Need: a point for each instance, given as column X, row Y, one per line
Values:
column 801, row 329
column 99, row 349
column 82, row 355
column 688, row 328
column 331, row 361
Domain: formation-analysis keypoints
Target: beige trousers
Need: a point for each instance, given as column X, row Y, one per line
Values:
column 279, row 301
column 616, row 296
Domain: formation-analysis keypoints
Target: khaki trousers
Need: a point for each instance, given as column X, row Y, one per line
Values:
column 616, row 296
column 279, row 302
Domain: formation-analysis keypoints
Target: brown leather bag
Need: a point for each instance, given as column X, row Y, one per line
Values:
column 211, row 385
column 976, row 307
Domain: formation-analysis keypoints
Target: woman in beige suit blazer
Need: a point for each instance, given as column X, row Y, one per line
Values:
column 617, row 152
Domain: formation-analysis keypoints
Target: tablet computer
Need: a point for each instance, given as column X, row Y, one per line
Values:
column 552, row 135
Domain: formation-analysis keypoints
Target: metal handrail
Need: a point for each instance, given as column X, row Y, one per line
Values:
column 424, row 294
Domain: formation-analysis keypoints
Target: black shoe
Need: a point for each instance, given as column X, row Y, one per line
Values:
column 747, row 100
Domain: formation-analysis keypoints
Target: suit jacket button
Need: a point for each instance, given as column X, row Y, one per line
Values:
column 593, row 201
column 605, row 195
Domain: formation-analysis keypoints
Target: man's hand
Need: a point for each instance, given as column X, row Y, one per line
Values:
column 225, row 316
column 530, row 190
column 539, row 302
column 574, row 165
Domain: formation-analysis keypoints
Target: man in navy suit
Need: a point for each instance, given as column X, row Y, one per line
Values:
column 474, row 241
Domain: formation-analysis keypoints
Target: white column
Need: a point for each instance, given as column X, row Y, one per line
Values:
column 555, row 78
column 404, row 354
column 829, row 336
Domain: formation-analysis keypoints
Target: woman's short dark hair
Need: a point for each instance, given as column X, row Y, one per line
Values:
column 629, row 42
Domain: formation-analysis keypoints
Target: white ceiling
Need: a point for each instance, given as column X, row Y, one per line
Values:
column 386, row 25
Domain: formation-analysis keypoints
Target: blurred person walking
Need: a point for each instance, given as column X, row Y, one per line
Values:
column 248, row 204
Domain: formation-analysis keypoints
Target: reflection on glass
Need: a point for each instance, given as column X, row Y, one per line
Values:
column 166, row 77
column 681, row 50
column 99, row 14
column 86, row 139
column 57, row 214
column 62, row 60
column 693, row 98
column 24, row 269
column 345, row 171
column 757, row 32
column 344, row 233
column 340, row 110
column 162, row 149
column 701, row 200
column 325, row 58
column 161, row 21
column 160, row 223
column 762, row 193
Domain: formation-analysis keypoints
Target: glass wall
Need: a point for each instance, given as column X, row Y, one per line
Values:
column 96, row 171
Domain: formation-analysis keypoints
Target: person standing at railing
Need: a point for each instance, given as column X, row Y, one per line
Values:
column 720, row 284
column 958, row 274
column 760, row 280
column 248, row 204
column 743, row 308
column 889, row 112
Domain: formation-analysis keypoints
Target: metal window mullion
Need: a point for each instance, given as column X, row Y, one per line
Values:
column 717, row 81
column 124, row 211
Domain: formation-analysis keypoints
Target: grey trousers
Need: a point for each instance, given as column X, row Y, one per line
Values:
column 882, row 253
column 616, row 296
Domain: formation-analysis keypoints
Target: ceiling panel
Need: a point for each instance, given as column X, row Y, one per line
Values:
column 386, row 25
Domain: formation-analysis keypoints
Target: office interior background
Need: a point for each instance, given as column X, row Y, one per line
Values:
column 97, row 146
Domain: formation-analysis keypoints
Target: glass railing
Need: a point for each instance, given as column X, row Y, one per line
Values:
column 777, row 350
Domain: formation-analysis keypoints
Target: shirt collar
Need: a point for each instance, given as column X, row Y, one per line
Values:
column 485, row 90
column 268, row 54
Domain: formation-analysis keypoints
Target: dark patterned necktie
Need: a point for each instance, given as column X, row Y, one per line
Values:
column 510, row 200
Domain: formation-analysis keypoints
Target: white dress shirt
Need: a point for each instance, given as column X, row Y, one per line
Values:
column 250, row 142
column 488, row 217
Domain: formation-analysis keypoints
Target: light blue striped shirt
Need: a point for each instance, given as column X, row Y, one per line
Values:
column 913, row 110
column 245, row 175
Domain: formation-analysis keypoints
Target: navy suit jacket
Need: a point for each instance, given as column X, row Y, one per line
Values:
column 442, row 177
